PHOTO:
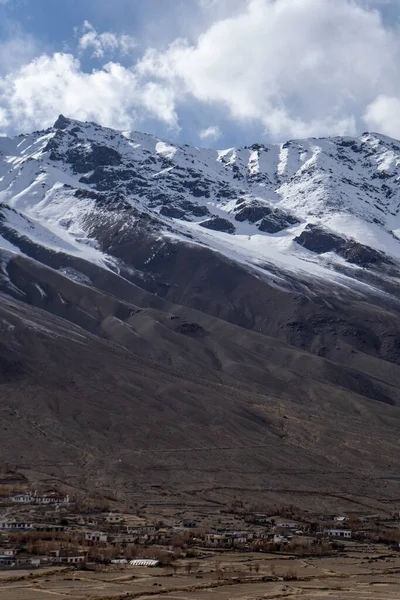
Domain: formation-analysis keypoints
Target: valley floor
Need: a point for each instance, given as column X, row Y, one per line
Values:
column 355, row 575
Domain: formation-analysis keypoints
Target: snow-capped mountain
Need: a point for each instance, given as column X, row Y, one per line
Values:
column 215, row 230
column 309, row 207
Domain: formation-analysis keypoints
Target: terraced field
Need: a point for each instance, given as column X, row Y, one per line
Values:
column 236, row 576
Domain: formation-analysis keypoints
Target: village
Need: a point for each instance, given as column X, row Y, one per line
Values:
column 54, row 541
column 49, row 528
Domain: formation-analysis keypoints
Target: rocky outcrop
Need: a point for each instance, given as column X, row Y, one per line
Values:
column 219, row 224
column 277, row 221
column 252, row 212
column 84, row 160
column 172, row 212
column 272, row 220
column 320, row 240
column 62, row 123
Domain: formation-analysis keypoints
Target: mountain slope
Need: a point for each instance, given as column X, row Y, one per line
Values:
column 201, row 310
column 238, row 414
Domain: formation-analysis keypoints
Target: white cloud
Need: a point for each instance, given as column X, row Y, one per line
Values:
column 383, row 116
column 211, row 133
column 35, row 94
column 16, row 51
column 105, row 43
column 298, row 68
column 292, row 68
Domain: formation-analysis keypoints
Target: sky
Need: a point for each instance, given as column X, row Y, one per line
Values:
column 214, row 73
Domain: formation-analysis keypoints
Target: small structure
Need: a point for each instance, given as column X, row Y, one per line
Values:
column 7, row 561
column 119, row 561
column 8, row 552
column 67, row 557
column 22, row 498
column 114, row 518
column 35, row 498
column 20, row 561
column 96, row 536
column 48, row 527
column 144, row 562
column 142, row 530
column 340, row 533
column 15, row 525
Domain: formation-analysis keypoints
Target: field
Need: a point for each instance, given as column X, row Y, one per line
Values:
column 355, row 575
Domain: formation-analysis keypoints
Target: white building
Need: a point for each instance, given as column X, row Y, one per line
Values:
column 340, row 533
column 15, row 525
column 63, row 556
column 95, row 536
column 13, row 561
column 119, row 561
column 34, row 498
column 144, row 562
column 114, row 518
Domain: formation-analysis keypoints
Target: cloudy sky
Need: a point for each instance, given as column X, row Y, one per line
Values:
column 205, row 72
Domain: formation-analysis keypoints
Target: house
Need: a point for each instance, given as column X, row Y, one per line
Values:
column 15, row 525
column 8, row 551
column 114, row 518
column 20, row 561
column 73, row 559
column 215, row 539
column 123, row 539
column 119, row 561
column 34, row 498
column 95, row 536
column 67, row 557
column 35, row 562
column 21, row 498
column 163, row 535
column 339, row 533
column 142, row 530
column 48, row 527
column 241, row 537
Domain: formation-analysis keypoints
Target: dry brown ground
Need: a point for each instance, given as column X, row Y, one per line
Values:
column 350, row 577
column 229, row 414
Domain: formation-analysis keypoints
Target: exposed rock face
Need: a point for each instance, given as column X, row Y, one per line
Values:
column 364, row 256
column 193, row 329
column 320, row 240
column 277, row 221
column 218, row 224
column 83, row 161
column 270, row 220
column 172, row 212
column 62, row 122
column 252, row 212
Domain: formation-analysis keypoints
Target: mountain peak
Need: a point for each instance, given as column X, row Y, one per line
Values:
column 62, row 122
